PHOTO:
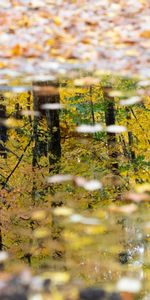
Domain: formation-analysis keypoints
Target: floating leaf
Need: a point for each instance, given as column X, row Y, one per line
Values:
column 137, row 197
column 59, row 178
column 89, row 128
column 116, row 129
column 79, row 181
column 126, row 209
column 3, row 256
column 52, row 106
column 89, row 185
column 92, row 185
column 131, row 101
column 130, row 285
column 76, row 218
column 62, row 211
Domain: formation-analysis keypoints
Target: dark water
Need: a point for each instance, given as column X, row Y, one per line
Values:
column 92, row 227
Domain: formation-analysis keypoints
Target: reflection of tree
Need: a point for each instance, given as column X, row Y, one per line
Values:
column 92, row 106
column 49, row 145
column 1, row 240
column 3, row 129
column 130, row 137
column 46, row 137
column 111, row 137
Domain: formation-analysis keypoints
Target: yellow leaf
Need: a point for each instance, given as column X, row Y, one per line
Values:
column 57, row 21
column 2, row 64
column 145, row 34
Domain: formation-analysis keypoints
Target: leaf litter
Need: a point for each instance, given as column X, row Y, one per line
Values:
column 48, row 36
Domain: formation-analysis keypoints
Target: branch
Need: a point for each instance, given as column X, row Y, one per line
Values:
column 19, row 161
column 8, row 150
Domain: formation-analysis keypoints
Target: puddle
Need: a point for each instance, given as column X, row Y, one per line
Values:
column 74, row 174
